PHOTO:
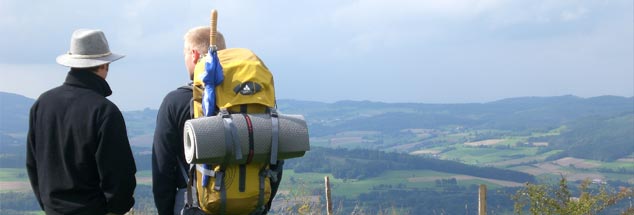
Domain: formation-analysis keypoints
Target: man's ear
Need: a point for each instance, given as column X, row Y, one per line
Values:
column 194, row 56
column 102, row 70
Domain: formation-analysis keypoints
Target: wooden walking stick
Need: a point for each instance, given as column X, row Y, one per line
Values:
column 214, row 26
column 198, row 85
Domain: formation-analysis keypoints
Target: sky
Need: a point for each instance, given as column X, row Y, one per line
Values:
column 418, row 51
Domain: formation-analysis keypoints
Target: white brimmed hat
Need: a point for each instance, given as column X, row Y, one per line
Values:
column 88, row 48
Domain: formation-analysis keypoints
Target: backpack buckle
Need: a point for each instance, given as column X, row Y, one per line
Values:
column 224, row 113
column 273, row 112
column 273, row 176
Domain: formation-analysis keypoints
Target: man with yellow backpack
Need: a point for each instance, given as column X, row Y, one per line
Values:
column 169, row 169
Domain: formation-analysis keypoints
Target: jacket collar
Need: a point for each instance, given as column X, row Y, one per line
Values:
column 89, row 80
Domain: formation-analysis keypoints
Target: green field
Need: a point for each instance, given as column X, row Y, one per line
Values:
column 416, row 179
column 15, row 179
column 13, row 174
column 483, row 155
column 503, row 152
column 618, row 165
column 508, row 150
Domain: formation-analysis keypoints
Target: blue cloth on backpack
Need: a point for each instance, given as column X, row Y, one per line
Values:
column 212, row 77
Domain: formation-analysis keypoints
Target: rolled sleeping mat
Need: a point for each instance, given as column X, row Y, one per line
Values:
column 205, row 138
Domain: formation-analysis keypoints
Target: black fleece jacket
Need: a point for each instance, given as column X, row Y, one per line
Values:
column 168, row 143
column 78, row 155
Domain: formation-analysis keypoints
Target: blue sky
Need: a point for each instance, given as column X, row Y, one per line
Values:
column 450, row 51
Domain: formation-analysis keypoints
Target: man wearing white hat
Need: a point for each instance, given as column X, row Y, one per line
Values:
column 79, row 159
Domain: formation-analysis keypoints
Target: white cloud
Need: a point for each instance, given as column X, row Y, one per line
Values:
column 570, row 15
column 377, row 12
column 371, row 26
column 444, row 46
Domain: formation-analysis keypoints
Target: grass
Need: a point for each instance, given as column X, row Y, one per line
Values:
column 619, row 177
column 14, row 179
column 618, row 165
column 467, row 183
column 322, row 142
column 13, row 174
column 352, row 188
column 144, row 177
column 8, row 155
column 398, row 179
column 455, row 138
column 553, row 132
column 479, row 155
column 144, row 173
column 488, row 154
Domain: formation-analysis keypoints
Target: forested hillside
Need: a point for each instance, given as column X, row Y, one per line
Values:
column 597, row 138
column 14, row 112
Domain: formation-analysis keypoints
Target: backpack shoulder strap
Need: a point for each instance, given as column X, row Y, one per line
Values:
column 187, row 86
column 181, row 168
column 191, row 101
column 191, row 192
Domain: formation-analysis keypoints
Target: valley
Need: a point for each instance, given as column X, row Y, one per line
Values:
column 399, row 156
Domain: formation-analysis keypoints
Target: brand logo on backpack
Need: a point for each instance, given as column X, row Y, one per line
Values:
column 247, row 88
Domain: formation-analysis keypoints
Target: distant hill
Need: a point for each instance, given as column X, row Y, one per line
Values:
column 598, row 128
column 10, row 145
column 517, row 114
column 14, row 112
column 140, row 126
column 591, row 122
column 14, row 116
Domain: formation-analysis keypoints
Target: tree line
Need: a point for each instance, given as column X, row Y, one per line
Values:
column 23, row 202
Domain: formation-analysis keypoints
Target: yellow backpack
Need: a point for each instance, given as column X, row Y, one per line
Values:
column 247, row 88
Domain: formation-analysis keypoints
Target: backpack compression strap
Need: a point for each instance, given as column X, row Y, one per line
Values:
column 222, row 187
column 275, row 135
column 260, row 206
column 231, row 135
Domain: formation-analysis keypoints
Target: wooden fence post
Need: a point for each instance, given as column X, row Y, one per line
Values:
column 482, row 200
column 328, row 198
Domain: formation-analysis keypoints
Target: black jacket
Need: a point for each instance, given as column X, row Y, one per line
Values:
column 78, row 155
column 168, row 142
